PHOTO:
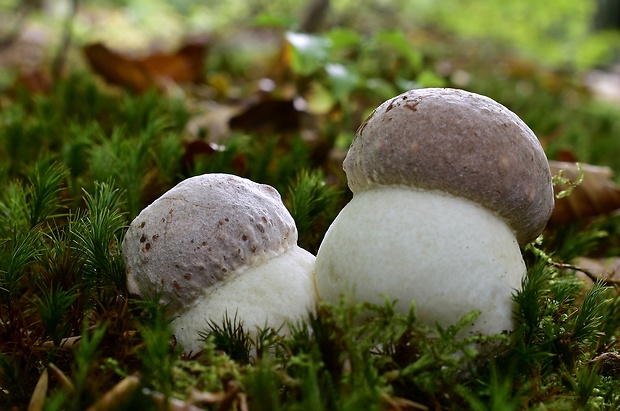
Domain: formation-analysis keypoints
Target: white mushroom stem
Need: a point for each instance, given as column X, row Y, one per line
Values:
column 448, row 254
column 276, row 293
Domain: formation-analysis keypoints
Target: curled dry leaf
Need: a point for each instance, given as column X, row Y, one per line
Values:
column 597, row 194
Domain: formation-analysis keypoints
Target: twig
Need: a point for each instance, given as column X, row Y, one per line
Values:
column 606, row 281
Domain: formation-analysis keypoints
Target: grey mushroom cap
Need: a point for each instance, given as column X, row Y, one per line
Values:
column 460, row 143
column 201, row 231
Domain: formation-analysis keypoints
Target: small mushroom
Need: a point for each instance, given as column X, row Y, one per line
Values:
column 217, row 245
column 447, row 185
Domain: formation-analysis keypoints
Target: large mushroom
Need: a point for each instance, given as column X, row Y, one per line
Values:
column 217, row 245
column 447, row 185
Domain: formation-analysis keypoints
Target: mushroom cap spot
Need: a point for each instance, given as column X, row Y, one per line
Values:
column 461, row 143
column 207, row 228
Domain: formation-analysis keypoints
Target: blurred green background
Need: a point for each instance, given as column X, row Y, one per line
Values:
column 577, row 33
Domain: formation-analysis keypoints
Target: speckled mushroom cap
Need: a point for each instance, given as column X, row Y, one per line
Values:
column 460, row 143
column 201, row 231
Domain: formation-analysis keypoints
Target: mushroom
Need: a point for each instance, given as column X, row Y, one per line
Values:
column 217, row 245
column 447, row 185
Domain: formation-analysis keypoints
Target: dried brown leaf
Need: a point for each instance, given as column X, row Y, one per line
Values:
column 156, row 70
column 596, row 195
column 117, row 69
column 184, row 66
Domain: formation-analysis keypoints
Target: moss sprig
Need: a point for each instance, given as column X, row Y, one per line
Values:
column 313, row 204
column 98, row 238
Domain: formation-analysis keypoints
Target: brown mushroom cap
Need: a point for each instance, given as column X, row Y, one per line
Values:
column 200, row 232
column 460, row 143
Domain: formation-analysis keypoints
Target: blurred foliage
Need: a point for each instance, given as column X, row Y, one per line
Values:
column 556, row 32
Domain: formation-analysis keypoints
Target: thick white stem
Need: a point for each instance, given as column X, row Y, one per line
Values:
column 277, row 292
column 449, row 255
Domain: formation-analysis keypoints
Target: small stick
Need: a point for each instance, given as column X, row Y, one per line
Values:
column 607, row 281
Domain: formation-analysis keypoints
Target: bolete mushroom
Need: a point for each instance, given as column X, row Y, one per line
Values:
column 447, row 185
column 217, row 245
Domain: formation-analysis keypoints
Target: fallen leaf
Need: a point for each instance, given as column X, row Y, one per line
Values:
column 156, row 70
column 596, row 195
column 117, row 69
column 184, row 66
